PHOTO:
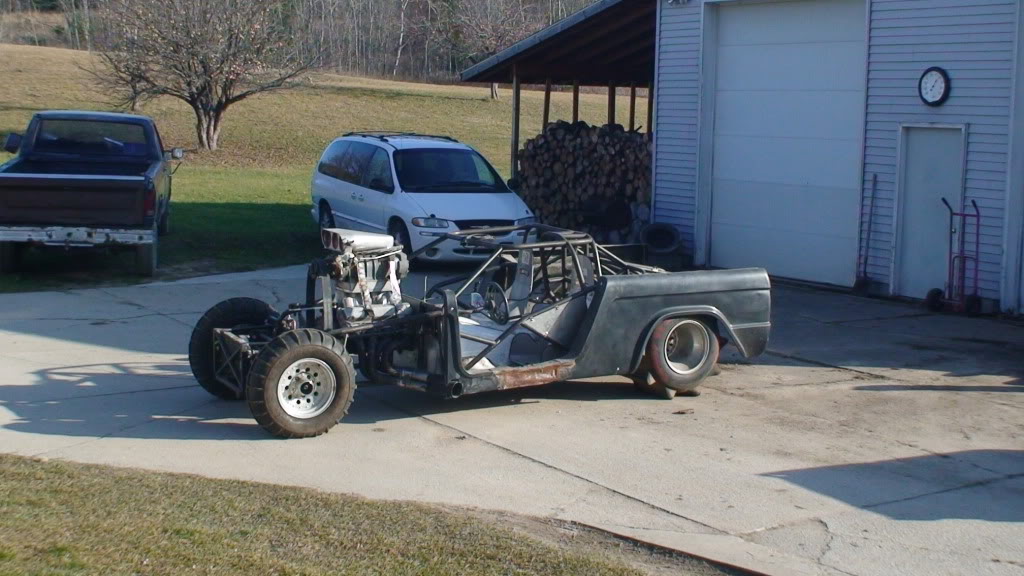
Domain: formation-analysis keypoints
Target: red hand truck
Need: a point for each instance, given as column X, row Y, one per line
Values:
column 956, row 295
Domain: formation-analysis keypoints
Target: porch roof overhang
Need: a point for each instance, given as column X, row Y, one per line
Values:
column 611, row 42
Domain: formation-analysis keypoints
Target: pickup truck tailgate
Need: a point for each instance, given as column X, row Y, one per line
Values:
column 69, row 200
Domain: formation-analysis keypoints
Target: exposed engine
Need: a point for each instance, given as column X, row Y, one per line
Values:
column 367, row 272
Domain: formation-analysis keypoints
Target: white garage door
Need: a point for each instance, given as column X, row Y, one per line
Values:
column 789, row 113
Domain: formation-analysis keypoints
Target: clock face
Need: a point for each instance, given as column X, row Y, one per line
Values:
column 934, row 86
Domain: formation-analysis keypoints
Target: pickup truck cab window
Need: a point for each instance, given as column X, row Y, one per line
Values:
column 92, row 138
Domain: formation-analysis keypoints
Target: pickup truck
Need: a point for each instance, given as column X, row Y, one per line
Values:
column 86, row 179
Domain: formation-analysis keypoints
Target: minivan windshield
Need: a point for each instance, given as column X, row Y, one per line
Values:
column 91, row 137
column 446, row 170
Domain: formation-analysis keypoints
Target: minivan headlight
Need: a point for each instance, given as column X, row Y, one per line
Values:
column 429, row 223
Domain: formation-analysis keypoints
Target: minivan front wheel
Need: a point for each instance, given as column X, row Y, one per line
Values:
column 400, row 233
column 326, row 216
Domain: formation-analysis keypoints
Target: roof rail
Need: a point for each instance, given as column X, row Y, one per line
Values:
column 384, row 135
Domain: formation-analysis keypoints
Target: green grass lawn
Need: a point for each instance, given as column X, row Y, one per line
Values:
column 70, row 519
column 245, row 206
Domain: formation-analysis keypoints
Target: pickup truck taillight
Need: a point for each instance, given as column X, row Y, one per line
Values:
column 149, row 207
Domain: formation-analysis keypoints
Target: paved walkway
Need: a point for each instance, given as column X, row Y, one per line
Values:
column 873, row 439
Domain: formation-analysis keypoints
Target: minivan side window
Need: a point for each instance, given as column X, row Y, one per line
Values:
column 353, row 163
column 378, row 173
column 330, row 165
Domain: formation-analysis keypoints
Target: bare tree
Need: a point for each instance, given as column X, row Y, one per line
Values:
column 210, row 54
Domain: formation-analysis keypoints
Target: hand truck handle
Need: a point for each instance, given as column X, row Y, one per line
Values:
column 948, row 207
column 975, row 204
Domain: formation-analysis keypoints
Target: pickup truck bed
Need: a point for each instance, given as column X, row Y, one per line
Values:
column 48, row 194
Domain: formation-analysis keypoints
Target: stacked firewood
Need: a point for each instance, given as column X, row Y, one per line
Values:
column 584, row 177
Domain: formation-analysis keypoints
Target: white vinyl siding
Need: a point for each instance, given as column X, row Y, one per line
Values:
column 676, row 101
column 974, row 41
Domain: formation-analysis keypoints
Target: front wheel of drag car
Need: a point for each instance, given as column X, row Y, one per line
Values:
column 301, row 384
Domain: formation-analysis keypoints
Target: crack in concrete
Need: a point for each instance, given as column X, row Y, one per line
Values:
column 548, row 465
column 143, row 307
column 278, row 299
column 967, row 486
column 867, row 375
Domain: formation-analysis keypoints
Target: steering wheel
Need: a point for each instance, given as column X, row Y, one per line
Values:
column 496, row 303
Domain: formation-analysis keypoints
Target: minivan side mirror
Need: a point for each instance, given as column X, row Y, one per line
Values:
column 177, row 153
column 513, row 184
column 12, row 143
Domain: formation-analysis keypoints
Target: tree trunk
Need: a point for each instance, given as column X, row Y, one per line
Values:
column 208, row 125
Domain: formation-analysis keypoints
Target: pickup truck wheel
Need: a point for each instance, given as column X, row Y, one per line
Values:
column 682, row 352
column 10, row 257
column 301, row 384
column 146, row 258
column 202, row 350
column 165, row 224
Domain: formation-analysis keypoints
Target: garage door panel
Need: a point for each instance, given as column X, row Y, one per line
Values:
column 797, row 162
column 775, row 204
column 785, row 23
column 788, row 138
column 810, row 67
column 820, row 259
column 790, row 114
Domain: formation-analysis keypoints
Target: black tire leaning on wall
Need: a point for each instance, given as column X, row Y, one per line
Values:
column 227, row 314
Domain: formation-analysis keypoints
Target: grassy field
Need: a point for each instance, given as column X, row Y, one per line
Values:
column 68, row 519
column 245, row 206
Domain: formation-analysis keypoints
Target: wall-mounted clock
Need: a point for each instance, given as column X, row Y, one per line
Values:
column 933, row 87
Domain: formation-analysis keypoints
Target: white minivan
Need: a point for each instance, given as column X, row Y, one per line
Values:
column 412, row 187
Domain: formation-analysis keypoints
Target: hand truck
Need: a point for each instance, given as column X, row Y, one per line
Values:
column 956, row 295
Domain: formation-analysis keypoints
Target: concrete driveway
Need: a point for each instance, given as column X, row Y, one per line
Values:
column 874, row 439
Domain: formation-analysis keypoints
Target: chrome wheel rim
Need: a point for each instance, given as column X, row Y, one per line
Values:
column 307, row 388
column 687, row 347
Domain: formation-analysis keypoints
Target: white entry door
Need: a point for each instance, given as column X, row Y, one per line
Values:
column 789, row 129
column 932, row 169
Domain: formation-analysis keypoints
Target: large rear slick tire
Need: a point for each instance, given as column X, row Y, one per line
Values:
column 301, row 384
column 202, row 349
column 681, row 353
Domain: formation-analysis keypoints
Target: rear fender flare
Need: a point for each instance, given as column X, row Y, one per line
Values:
column 724, row 328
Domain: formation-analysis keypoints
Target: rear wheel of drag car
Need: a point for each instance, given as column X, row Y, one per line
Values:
column 682, row 352
column 202, row 349
column 301, row 384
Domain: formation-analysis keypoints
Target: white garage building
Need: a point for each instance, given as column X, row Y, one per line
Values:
column 805, row 136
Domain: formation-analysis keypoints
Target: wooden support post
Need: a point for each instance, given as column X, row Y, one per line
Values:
column 650, row 108
column 632, row 106
column 515, row 122
column 547, row 104
column 611, row 103
column 575, row 101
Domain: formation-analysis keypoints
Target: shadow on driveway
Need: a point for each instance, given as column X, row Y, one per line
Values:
column 968, row 485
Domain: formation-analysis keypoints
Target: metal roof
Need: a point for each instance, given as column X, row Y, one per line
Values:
column 610, row 41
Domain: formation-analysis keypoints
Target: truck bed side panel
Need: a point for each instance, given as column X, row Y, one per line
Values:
column 625, row 309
